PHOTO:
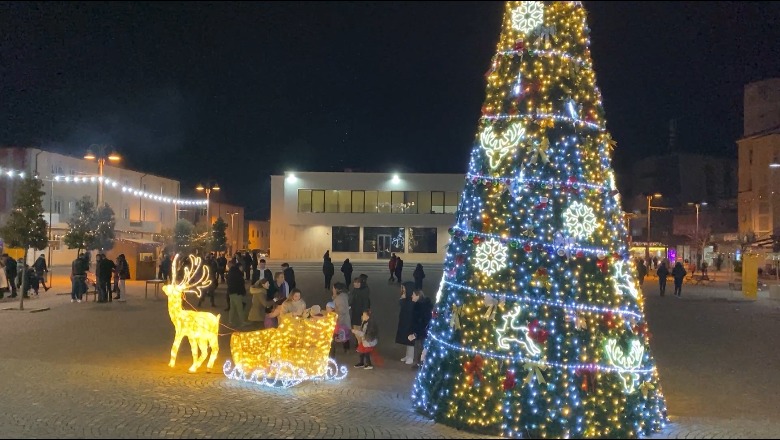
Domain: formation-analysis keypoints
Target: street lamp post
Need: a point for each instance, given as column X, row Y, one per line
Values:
column 101, row 153
column 208, row 187
column 649, row 207
column 232, row 232
column 696, row 237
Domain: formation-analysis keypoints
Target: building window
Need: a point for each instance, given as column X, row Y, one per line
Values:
column 161, row 215
column 143, row 188
column 398, row 202
column 371, row 202
column 422, row 240
column 345, row 200
column 358, row 201
column 424, row 202
column 345, row 239
column 383, row 202
column 450, row 202
column 126, row 214
column 317, row 200
column 396, row 235
column 143, row 216
column 72, row 207
column 58, row 206
column 331, row 201
column 410, row 202
column 304, row 200
column 437, row 202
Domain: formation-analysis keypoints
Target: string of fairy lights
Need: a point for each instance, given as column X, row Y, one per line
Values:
column 539, row 328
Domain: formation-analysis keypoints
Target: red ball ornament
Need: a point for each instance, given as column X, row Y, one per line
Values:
column 510, row 380
column 580, row 254
column 519, row 45
column 527, row 248
column 477, row 240
column 460, row 259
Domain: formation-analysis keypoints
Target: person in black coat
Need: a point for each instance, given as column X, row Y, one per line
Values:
column 289, row 275
column 662, row 273
column 359, row 300
column 405, row 320
column 399, row 267
column 236, row 292
column 423, row 312
column 328, row 270
column 418, row 275
column 346, row 269
column 678, row 273
column 10, row 273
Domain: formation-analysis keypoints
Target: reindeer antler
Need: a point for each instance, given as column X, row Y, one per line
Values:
column 196, row 272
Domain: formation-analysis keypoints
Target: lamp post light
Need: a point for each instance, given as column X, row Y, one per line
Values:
column 697, row 241
column 232, row 232
column 101, row 152
column 208, row 187
column 649, row 207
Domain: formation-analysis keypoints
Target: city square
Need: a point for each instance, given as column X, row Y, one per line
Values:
column 579, row 242
column 94, row 370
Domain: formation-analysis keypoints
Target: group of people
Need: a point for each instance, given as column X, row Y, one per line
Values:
column 109, row 277
column 678, row 273
column 396, row 266
column 12, row 278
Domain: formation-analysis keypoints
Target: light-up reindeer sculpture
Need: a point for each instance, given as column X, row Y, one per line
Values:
column 201, row 328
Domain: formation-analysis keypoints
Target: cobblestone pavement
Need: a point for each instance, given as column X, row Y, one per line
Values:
column 94, row 370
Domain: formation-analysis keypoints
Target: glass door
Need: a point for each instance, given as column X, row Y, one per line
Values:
column 383, row 243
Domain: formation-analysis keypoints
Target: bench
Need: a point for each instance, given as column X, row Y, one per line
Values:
column 735, row 286
column 156, row 284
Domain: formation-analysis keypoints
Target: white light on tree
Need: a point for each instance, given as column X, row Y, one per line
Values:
column 624, row 284
column 632, row 360
column 580, row 220
column 496, row 148
column 491, row 256
column 528, row 16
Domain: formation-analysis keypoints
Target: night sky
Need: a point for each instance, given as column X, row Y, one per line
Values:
column 237, row 91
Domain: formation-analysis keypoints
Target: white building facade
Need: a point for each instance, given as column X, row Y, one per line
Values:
column 363, row 216
column 144, row 205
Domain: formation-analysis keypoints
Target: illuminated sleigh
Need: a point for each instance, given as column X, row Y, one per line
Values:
column 296, row 351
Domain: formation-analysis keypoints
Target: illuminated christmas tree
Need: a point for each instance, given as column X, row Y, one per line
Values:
column 539, row 329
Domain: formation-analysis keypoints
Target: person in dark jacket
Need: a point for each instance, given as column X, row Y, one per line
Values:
column 41, row 269
column 165, row 268
column 418, row 275
column 328, row 270
column 423, row 312
column 346, row 269
column 399, row 267
column 678, row 273
column 264, row 271
column 105, row 269
column 405, row 321
column 662, row 273
column 289, row 275
column 222, row 265
column 122, row 274
column 10, row 273
column 359, row 300
column 247, row 264
column 236, row 292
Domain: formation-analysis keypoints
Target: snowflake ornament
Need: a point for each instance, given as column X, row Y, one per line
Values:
column 580, row 220
column 491, row 256
column 528, row 16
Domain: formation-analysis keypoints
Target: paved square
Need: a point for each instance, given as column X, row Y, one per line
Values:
column 100, row 370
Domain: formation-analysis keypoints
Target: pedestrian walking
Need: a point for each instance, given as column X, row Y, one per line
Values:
column 391, row 266
column 662, row 273
column 418, row 275
column 236, row 292
column 678, row 273
column 41, row 269
column 289, row 275
column 328, row 270
column 122, row 274
column 641, row 271
column 399, row 267
column 346, row 269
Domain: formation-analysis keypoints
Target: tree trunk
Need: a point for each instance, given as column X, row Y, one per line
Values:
column 24, row 278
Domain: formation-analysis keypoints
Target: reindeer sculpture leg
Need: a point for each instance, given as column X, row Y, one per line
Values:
column 175, row 350
column 195, row 356
column 214, row 342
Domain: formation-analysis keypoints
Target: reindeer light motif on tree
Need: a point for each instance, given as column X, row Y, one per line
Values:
column 201, row 328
